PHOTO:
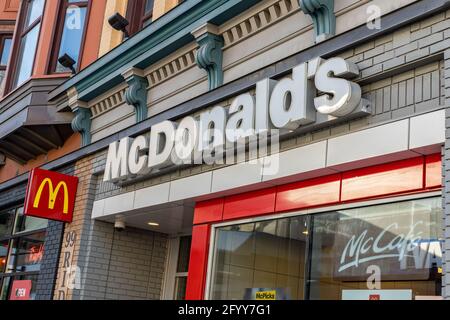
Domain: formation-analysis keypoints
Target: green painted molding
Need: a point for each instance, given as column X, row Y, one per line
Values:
column 136, row 93
column 159, row 39
column 322, row 14
column 209, row 54
column 82, row 124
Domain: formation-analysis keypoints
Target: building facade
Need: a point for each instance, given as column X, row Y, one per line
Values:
column 234, row 149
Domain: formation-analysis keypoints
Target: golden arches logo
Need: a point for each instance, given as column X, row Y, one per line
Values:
column 53, row 193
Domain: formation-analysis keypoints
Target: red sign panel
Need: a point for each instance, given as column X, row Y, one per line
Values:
column 21, row 290
column 50, row 195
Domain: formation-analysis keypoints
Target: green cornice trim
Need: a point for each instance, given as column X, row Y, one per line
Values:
column 136, row 95
column 82, row 124
column 209, row 57
column 160, row 38
column 322, row 14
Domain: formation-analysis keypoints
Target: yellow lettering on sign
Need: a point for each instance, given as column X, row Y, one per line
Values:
column 266, row 295
column 53, row 193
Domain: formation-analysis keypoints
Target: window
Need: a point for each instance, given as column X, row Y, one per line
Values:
column 27, row 224
column 70, row 34
column 140, row 13
column 327, row 255
column 22, row 241
column 5, row 49
column 28, row 39
column 178, row 265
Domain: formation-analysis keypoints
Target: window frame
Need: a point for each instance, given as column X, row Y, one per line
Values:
column 17, row 237
column 172, row 273
column 136, row 16
column 3, row 38
column 17, row 41
column 52, row 62
column 210, row 264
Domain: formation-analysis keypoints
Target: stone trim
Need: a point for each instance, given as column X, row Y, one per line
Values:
column 258, row 21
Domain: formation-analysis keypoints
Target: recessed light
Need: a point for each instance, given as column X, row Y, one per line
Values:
column 153, row 224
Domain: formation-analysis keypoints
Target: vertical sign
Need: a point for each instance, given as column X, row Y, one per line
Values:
column 67, row 272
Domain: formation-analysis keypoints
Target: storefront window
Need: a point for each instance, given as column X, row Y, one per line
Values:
column 7, row 283
column 398, row 244
column 261, row 258
column 27, row 224
column 182, row 267
column 3, row 254
column 22, row 241
column 6, row 222
column 26, row 253
column 401, row 241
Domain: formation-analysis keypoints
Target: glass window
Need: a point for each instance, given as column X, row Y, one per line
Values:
column 26, row 253
column 333, row 251
column 6, row 49
column 27, row 223
column 34, row 11
column 28, row 41
column 183, row 254
column 148, row 7
column 261, row 258
column 72, row 33
column 3, row 254
column 182, row 266
column 8, row 281
column 401, row 240
column 6, row 222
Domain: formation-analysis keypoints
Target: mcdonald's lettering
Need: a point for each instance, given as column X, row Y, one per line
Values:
column 50, row 195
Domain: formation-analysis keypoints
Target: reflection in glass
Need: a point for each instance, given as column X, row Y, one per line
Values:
column 28, row 223
column 180, row 288
column 8, row 282
column 184, row 254
column 26, row 55
column 402, row 240
column 26, row 253
column 259, row 257
column 4, row 290
column 35, row 9
column 6, row 51
column 3, row 254
column 333, row 252
column 148, row 6
column 6, row 222
column 72, row 35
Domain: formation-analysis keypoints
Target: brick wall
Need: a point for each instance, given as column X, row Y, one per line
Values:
column 112, row 265
column 49, row 265
column 446, row 193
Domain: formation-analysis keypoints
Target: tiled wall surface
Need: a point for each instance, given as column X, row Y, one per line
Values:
column 112, row 265
column 446, row 173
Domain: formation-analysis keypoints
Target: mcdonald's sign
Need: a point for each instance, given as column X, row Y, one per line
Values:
column 50, row 195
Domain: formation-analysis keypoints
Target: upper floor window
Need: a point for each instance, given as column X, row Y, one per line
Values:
column 140, row 14
column 5, row 49
column 70, row 33
column 29, row 26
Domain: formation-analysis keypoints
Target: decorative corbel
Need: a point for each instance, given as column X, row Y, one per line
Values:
column 82, row 121
column 322, row 14
column 209, row 54
column 136, row 93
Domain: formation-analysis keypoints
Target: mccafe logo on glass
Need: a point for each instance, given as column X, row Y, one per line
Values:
column 50, row 195
column 316, row 92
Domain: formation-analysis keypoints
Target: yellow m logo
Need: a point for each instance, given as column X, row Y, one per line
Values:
column 53, row 193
